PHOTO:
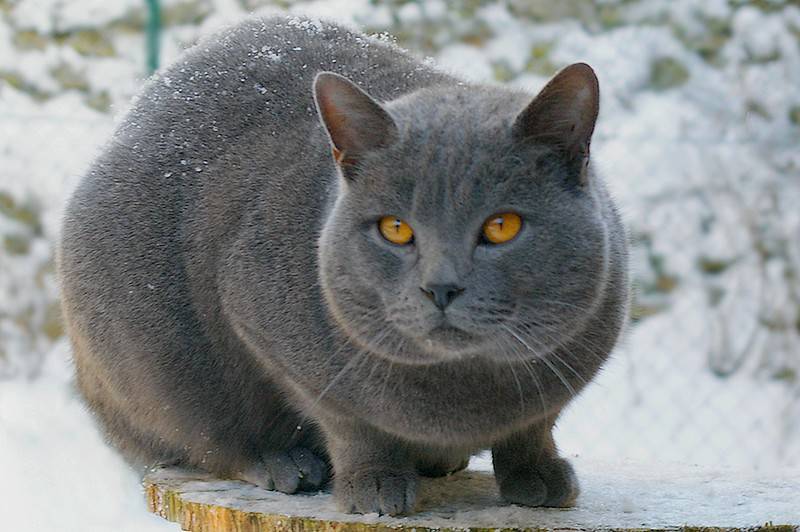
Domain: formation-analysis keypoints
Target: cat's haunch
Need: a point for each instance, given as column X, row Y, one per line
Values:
column 306, row 255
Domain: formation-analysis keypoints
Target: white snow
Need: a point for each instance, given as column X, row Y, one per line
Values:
column 614, row 495
column 57, row 472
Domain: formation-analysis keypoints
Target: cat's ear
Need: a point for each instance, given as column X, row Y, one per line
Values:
column 563, row 115
column 355, row 122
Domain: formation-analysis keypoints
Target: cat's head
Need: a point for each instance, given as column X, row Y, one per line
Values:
column 467, row 222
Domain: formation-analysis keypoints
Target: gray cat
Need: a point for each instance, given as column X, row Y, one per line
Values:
column 304, row 253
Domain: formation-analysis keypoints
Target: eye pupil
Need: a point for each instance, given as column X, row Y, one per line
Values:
column 395, row 230
column 501, row 228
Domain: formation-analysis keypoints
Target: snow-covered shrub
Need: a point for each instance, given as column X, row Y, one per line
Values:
column 699, row 137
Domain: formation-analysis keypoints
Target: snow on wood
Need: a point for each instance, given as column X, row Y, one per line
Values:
column 619, row 496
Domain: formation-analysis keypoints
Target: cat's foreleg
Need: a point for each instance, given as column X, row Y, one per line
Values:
column 530, row 472
column 373, row 471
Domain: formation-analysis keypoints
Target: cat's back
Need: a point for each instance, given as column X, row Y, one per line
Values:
column 256, row 77
column 234, row 115
column 237, row 101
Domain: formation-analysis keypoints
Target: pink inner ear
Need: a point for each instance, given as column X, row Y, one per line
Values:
column 334, row 119
column 340, row 156
column 355, row 122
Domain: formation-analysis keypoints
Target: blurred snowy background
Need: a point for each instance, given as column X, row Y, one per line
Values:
column 699, row 138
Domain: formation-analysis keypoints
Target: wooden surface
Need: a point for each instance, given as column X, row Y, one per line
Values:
column 614, row 497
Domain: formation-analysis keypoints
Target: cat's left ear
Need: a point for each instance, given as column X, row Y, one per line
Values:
column 563, row 116
column 355, row 122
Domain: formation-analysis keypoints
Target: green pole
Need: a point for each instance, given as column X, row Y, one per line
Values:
column 152, row 34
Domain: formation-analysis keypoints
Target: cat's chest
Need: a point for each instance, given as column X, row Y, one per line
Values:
column 466, row 405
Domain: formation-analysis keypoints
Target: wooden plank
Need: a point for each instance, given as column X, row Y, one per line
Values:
column 615, row 498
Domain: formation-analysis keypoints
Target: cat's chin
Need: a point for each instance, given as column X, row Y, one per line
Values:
column 441, row 344
column 450, row 337
column 446, row 342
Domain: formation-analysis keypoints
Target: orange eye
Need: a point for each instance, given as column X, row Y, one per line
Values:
column 395, row 230
column 501, row 227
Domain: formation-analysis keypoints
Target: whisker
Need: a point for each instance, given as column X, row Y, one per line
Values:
column 519, row 358
column 359, row 357
column 336, row 378
column 519, row 387
column 591, row 348
column 386, row 383
column 555, row 371
column 560, row 303
column 528, row 365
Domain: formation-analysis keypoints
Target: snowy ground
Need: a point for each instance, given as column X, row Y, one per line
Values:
column 698, row 137
column 58, row 474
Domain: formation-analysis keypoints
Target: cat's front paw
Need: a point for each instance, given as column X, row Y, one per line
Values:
column 382, row 492
column 550, row 483
column 297, row 469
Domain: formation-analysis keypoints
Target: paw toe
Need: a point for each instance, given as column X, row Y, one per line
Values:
column 562, row 484
column 385, row 493
column 551, row 483
column 522, row 487
column 288, row 471
column 283, row 471
column 313, row 471
column 396, row 494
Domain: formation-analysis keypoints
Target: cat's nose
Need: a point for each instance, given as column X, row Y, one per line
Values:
column 441, row 294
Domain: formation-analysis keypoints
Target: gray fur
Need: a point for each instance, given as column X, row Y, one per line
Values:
column 232, row 306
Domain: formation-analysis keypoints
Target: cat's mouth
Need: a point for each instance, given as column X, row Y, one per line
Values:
column 449, row 337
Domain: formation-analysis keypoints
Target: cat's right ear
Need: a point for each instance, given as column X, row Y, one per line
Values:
column 354, row 121
column 563, row 116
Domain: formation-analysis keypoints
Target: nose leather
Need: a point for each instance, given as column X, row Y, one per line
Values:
column 441, row 294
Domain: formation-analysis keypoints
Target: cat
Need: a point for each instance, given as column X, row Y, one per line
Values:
column 306, row 255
